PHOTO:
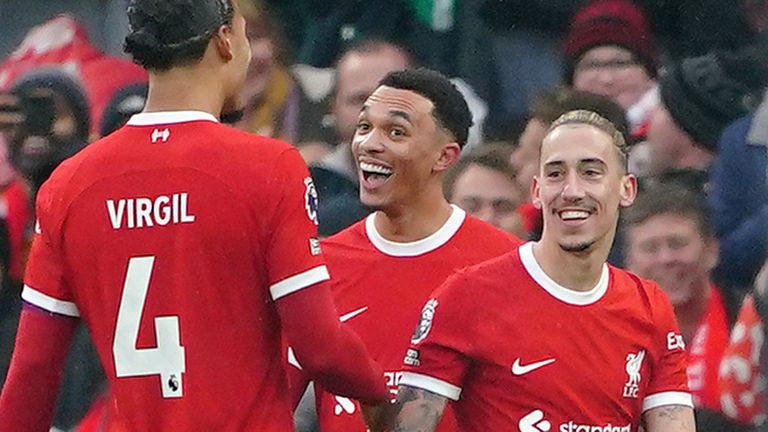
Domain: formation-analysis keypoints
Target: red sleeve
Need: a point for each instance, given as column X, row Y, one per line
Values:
column 44, row 284
column 297, row 379
column 38, row 359
column 293, row 254
column 669, row 381
column 330, row 354
column 439, row 358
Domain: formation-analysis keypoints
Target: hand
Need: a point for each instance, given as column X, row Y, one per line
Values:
column 378, row 417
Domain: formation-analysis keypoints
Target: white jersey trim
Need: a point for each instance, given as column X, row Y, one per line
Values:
column 418, row 247
column 432, row 384
column 43, row 301
column 580, row 298
column 298, row 282
column 169, row 117
column 667, row 398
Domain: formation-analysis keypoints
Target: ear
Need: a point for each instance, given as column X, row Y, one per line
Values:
column 449, row 155
column 536, row 192
column 628, row 190
column 222, row 41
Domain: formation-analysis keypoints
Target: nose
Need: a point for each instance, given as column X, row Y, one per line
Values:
column 665, row 255
column 572, row 188
column 485, row 213
column 368, row 143
column 605, row 77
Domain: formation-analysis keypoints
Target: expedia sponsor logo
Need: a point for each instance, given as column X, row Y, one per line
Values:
column 573, row 427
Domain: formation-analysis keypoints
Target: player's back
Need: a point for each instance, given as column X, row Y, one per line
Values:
column 166, row 235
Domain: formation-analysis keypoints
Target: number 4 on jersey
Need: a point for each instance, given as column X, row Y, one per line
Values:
column 167, row 359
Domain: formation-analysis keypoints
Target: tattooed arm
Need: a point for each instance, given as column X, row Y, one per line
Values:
column 417, row 410
column 669, row 418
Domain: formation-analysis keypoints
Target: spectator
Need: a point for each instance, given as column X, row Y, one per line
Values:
column 610, row 51
column 739, row 197
column 358, row 72
column 126, row 102
column 63, row 42
column 485, row 185
column 743, row 371
column 58, row 128
column 699, row 97
column 275, row 100
column 668, row 238
column 546, row 107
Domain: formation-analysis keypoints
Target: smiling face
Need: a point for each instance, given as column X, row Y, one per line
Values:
column 400, row 150
column 670, row 249
column 580, row 187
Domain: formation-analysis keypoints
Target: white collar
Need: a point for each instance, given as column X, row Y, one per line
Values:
column 169, row 117
column 418, row 247
column 580, row 298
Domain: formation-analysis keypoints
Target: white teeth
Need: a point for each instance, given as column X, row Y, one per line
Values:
column 573, row 214
column 376, row 169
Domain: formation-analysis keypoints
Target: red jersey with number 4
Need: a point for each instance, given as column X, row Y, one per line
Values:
column 172, row 238
column 379, row 287
column 520, row 352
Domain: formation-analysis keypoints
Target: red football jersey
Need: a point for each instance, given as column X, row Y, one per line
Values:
column 379, row 287
column 520, row 352
column 172, row 238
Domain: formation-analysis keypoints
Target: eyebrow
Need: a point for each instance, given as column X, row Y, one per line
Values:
column 392, row 114
column 586, row 161
column 401, row 114
column 592, row 161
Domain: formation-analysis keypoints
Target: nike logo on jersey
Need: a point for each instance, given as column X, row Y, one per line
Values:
column 519, row 369
column 354, row 313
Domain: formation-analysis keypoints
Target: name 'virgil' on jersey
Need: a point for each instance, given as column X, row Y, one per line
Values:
column 146, row 212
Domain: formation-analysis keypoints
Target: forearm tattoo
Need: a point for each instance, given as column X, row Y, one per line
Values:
column 417, row 410
column 672, row 418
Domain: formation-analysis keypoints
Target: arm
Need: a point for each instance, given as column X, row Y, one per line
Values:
column 669, row 418
column 417, row 410
column 330, row 354
column 30, row 392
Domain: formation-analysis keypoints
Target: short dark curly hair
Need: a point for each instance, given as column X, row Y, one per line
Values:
column 168, row 33
column 450, row 108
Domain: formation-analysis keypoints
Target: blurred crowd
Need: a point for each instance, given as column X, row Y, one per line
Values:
column 684, row 81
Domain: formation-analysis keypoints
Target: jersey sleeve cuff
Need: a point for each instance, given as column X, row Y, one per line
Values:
column 298, row 282
column 48, row 303
column 431, row 384
column 667, row 398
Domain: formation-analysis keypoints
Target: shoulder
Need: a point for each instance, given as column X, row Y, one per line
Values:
column 482, row 232
column 739, row 128
column 649, row 296
column 487, row 276
column 351, row 237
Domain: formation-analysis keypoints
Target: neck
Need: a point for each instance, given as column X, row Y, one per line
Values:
column 579, row 271
column 695, row 157
column 185, row 89
column 690, row 313
column 410, row 223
